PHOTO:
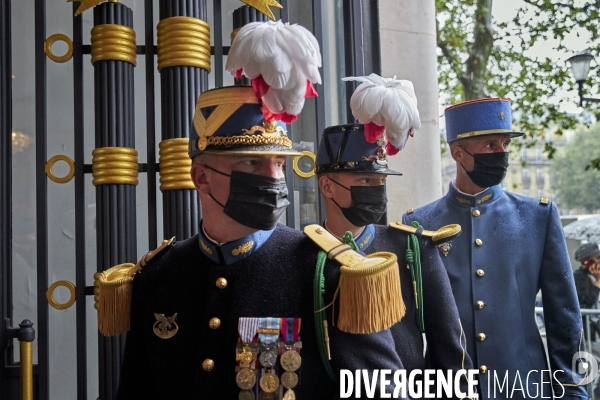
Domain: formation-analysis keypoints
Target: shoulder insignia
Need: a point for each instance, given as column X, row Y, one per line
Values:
column 358, row 275
column 112, row 293
column 409, row 211
column 149, row 256
column 544, row 201
column 443, row 234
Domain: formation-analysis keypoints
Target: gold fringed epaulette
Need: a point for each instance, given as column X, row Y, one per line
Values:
column 444, row 234
column 369, row 288
column 112, row 293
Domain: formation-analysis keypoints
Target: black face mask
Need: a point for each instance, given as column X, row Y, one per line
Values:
column 368, row 203
column 489, row 169
column 255, row 201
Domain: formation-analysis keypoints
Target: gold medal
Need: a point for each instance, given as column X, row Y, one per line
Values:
column 269, row 382
column 245, row 379
column 246, row 395
column 290, row 360
column 289, row 379
column 268, row 396
column 289, row 395
column 245, row 357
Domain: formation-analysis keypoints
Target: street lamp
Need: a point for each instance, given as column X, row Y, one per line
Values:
column 580, row 67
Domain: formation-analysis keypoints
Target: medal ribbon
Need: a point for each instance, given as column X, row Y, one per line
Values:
column 290, row 330
column 268, row 329
column 247, row 328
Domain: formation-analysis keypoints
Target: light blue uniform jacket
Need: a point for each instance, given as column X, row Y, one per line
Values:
column 510, row 247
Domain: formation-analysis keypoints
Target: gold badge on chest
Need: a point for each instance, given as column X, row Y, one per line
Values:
column 165, row 327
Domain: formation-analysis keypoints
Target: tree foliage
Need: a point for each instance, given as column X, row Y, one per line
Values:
column 575, row 187
column 479, row 58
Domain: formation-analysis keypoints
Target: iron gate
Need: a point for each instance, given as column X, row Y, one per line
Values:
column 58, row 105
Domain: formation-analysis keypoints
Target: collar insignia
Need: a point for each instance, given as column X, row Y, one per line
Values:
column 244, row 248
column 364, row 242
column 463, row 200
column 165, row 327
column 485, row 198
column 205, row 247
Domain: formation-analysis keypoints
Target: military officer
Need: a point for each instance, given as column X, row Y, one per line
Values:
column 217, row 315
column 352, row 175
column 510, row 247
column 238, row 281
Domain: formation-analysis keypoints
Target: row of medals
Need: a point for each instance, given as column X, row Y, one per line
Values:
column 269, row 382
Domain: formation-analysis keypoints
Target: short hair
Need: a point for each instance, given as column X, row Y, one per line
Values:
column 205, row 158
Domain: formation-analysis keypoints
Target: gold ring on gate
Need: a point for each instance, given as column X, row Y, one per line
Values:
column 52, row 161
column 297, row 169
column 54, row 303
column 48, row 48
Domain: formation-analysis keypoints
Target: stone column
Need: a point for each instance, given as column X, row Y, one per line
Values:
column 408, row 50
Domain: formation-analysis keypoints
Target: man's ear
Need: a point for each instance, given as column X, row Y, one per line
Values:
column 325, row 186
column 198, row 174
column 457, row 153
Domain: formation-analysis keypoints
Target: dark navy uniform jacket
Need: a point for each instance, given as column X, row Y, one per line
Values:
column 510, row 247
column 272, row 277
column 442, row 323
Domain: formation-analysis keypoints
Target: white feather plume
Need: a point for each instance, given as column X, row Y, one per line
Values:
column 386, row 102
column 286, row 56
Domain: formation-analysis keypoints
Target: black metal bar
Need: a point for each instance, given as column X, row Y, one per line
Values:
column 242, row 16
column 591, row 100
column 87, row 49
column 116, row 237
column 180, row 87
column 150, row 125
column 362, row 44
column 5, row 184
column 41, row 197
column 218, row 43
column 80, row 269
column 320, row 100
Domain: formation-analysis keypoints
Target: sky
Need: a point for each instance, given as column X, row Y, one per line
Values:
column 505, row 10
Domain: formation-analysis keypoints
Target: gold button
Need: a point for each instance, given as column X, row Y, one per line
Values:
column 478, row 242
column 476, row 213
column 214, row 323
column 480, row 272
column 479, row 304
column 482, row 369
column 481, row 337
column 208, row 364
column 221, row 283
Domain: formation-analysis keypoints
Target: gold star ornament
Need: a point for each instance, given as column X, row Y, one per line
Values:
column 262, row 6
column 87, row 4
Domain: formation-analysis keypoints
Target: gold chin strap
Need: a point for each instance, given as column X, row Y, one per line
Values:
column 112, row 293
column 443, row 234
column 369, row 288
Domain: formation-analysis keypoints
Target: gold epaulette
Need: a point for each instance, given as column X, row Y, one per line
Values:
column 369, row 289
column 443, row 234
column 112, row 293
column 544, row 201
